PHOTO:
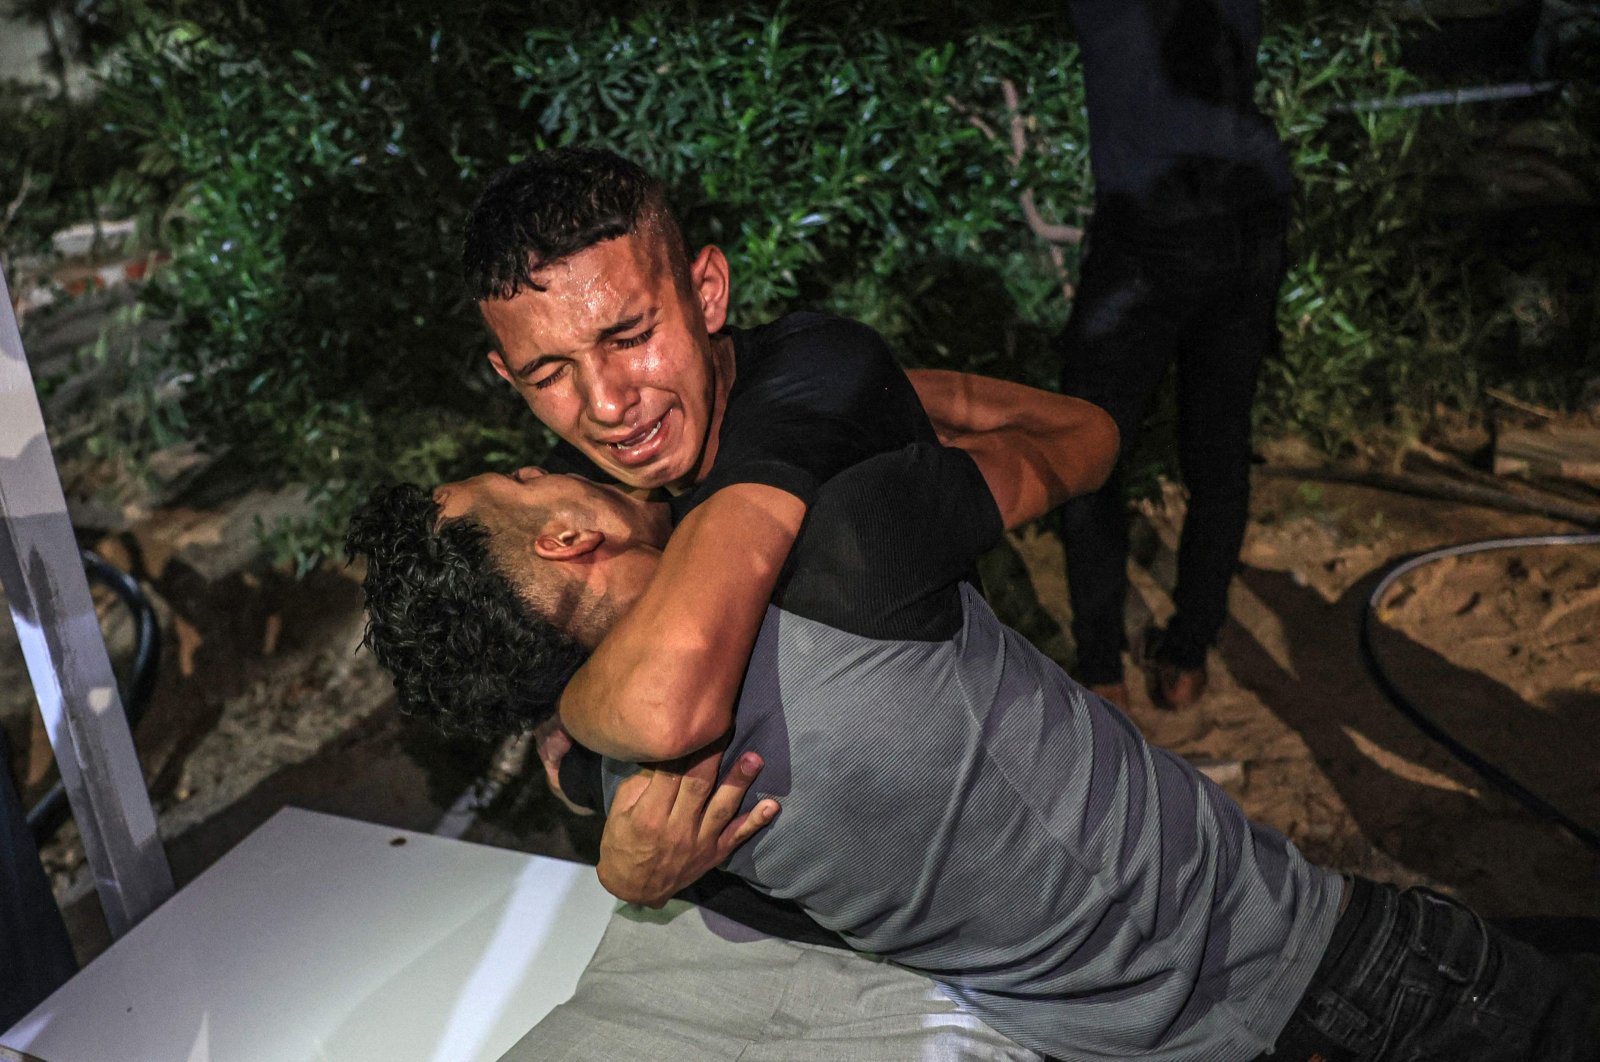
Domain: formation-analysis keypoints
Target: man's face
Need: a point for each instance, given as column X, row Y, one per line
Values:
column 532, row 501
column 617, row 358
column 609, row 541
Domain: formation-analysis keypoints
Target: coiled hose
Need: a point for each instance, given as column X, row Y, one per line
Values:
column 1489, row 770
column 47, row 816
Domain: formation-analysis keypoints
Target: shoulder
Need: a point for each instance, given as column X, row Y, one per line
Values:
column 814, row 343
column 804, row 327
column 920, row 469
column 886, row 542
column 812, row 395
column 919, row 492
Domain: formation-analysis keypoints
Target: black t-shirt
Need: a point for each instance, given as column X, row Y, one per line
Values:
column 812, row 395
column 887, row 542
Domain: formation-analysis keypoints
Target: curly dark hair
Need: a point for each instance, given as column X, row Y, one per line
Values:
column 465, row 650
column 553, row 205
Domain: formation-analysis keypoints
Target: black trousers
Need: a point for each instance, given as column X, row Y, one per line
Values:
column 35, row 954
column 1201, row 294
column 1412, row 975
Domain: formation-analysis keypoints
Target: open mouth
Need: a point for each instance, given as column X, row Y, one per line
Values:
column 641, row 444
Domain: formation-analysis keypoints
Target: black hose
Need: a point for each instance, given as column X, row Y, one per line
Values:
column 52, row 810
column 1495, row 774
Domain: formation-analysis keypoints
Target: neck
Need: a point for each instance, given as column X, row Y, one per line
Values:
column 623, row 578
column 659, row 525
column 723, row 367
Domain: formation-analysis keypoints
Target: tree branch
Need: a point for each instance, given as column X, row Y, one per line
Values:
column 1053, row 234
column 1045, row 230
column 16, row 204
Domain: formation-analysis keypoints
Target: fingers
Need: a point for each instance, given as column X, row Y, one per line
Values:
column 670, row 824
column 725, row 801
column 697, row 782
column 553, row 745
column 686, row 799
column 633, row 796
column 697, row 778
column 702, row 765
column 745, row 827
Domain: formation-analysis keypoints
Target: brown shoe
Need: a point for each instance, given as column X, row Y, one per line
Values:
column 1115, row 692
column 1177, row 687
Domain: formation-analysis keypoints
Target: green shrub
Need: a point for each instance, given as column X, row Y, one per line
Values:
column 1371, row 294
column 841, row 162
column 316, row 307
column 840, row 169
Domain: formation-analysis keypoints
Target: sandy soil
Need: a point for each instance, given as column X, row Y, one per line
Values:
column 1503, row 650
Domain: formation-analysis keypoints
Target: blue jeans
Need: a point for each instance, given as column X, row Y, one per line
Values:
column 1413, row 976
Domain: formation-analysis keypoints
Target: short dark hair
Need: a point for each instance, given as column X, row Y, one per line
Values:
column 551, row 206
column 466, row 651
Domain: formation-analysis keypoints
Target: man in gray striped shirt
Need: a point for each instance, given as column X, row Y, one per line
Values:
column 953, row 802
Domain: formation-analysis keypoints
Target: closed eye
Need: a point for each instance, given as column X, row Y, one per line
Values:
column 546, row 381
column 634, row 341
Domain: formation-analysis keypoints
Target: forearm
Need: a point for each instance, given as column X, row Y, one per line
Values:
column 1036, row 448
column 663, row 682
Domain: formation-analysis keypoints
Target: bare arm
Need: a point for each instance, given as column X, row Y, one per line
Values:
column 1035, row 448
column 663, row 683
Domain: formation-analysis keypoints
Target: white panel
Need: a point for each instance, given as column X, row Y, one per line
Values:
column 42, row 574
column 318, row 938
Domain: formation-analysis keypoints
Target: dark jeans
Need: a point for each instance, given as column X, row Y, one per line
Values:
column 1203, row 294
column 1413, row 976
column 35, row 954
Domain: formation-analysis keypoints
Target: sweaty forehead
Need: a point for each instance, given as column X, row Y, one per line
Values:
column 585, row 295
column 602, row 280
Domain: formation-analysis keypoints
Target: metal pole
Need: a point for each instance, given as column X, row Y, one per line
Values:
column 1451, row 97
column 43, row 578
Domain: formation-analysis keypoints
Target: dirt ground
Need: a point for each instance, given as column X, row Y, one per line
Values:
column 1501, row 649
column 264, row 700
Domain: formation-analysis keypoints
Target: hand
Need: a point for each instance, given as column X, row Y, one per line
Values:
column 553, row 743
column 672, row 822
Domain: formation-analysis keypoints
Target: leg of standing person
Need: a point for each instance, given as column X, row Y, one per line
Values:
column 1115, row 350
column 1219, row 365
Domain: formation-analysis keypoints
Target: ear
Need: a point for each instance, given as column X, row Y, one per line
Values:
column 499, row 364
column 709, row 274
column 568, row 544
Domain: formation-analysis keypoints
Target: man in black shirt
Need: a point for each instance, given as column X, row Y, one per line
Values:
column 615, row 338
column 895, row 1001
